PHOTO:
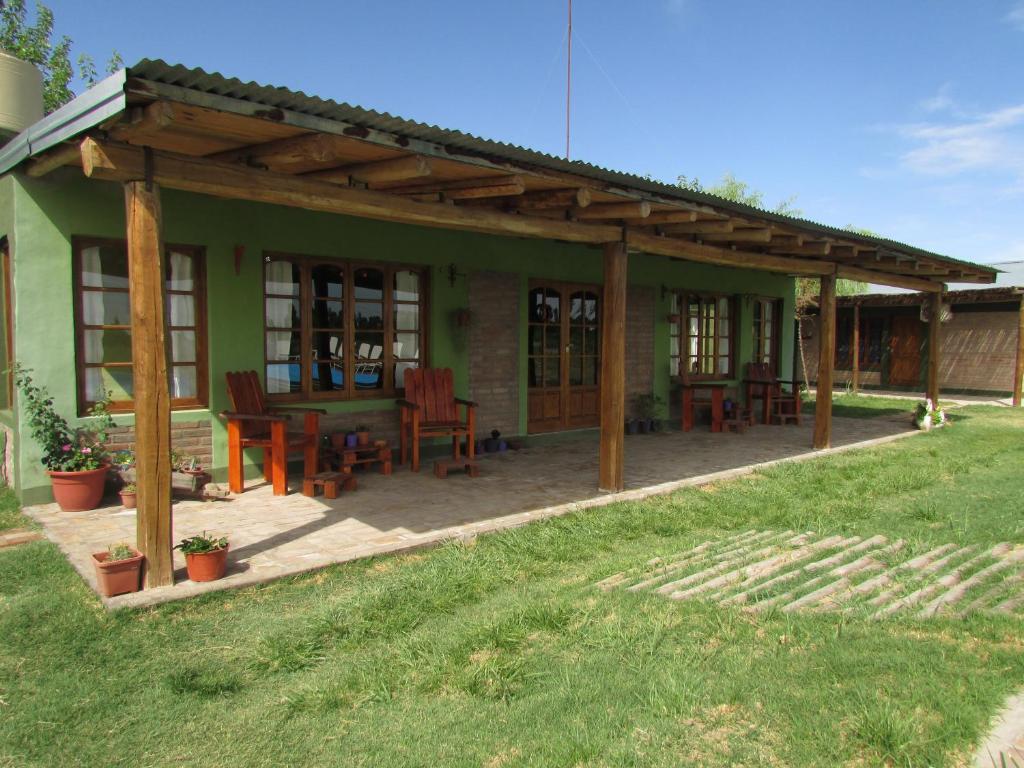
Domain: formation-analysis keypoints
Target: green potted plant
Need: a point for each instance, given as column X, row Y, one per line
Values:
column 187, row 474
column 362, row 435
column 118, row 570
column 75, row 459
column 647, row 407
column 206, row 557
column 129, row 495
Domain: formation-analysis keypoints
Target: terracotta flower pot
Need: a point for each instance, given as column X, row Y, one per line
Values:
column 338, row 440
column 78, row 491
column 207, row 566
column 363, row 438
column 118, row 577
column 129, row 500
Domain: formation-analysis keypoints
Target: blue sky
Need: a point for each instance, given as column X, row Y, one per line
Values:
column 903, row 117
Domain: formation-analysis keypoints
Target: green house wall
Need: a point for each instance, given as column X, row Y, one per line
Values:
column 40, row 216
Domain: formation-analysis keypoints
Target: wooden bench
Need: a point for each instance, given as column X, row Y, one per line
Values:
column 331, row 482
column 443, row 466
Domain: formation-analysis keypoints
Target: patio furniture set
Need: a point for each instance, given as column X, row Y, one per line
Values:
column 776, row 404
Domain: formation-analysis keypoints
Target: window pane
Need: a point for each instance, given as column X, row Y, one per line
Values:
column 283, row 345
column 282, row 313
column 407, row 345
column 328, row 314
column 576, row 308
column 723, row 347
column 723, row 365
column 369, row 368
column 183, row 346
column 116, row 381
column 326, row 345
column 589, row 371
column 407, row 286
column 575, row 370
column 369, row 284
column 407, row 317
column 328, row 282
column 183, row 381
column 282, row 278
column 553, row 339
column 534, row 371
column 106, row 308
column 551, row 372
column 327, row 376
column 400, row 369
column 536, row 305
column 590, row 307
column 723, row 308
column 576, row 339
column 590, row 341
column 180, row 275
column 282, row 379
column 535, row 340
column 673, row 346
column 105, row 266
column 553, row 307
column 673, row 366
column 369, row 316
column 108, row 346
column 181, row 309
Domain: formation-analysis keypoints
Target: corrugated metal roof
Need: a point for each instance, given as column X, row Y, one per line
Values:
column 82, row 113
column 197, row 79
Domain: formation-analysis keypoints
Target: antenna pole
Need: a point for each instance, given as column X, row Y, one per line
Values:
column 568, row 84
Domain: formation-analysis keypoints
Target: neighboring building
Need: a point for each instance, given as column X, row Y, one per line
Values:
column 980, row 337
column 332, row 248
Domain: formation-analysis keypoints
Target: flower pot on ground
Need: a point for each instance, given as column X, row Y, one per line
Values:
column 647, row 408
column 129, row 496
column 632, row 426
column 187, row 474
column 362, row 435
column 206, row 557
column 493, row 443
column 118, row 570
column 75, row 459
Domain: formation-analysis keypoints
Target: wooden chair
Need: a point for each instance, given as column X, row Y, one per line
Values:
column 251, row 424
column 775, row 402
column 430, row 409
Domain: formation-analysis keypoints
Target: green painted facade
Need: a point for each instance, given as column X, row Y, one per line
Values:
column 40, row 216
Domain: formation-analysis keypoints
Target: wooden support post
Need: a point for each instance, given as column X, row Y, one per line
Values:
column 1018, row 373
column 855, row 346
column 613, row 368
column 826, row 355
column 934, row 347
column 150, row 381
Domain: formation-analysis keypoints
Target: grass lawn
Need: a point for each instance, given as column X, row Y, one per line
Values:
column 501, row 653
column 854, row 406
column 10, row 513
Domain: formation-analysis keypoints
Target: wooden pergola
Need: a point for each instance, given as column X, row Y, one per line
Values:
column 218, row 139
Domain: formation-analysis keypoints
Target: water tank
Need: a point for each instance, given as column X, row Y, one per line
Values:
column 21, row 94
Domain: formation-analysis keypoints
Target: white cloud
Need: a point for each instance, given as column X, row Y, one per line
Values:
column 989, row 142
column 941, row 101
column 1016, row 16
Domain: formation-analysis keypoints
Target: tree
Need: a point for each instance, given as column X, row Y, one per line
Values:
column 34, row 43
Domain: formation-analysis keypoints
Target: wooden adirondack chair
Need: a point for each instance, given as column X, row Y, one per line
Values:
column 775, row 402
column 430, row 409
column 251, row 424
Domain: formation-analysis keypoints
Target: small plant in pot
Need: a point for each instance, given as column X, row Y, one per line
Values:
column 129, row 495
column 206, row 557
column 75, row 459
column 647, row 407
column 362, row 435
column 493, row 443
column 187, row 474
column 632, row 426
column 118, row 570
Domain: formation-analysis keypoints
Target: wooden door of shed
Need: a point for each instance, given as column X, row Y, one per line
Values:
column 905, row 351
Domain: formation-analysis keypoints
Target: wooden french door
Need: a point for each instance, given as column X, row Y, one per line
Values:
column 905, row 349
column 563, row 362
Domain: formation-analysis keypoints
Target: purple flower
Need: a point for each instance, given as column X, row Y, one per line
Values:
column 87, row 450
column 66, row 447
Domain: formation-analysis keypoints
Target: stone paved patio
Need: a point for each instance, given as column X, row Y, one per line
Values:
column 277, row 536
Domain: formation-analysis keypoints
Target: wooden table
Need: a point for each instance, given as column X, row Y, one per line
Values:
column 691, row 403
column 359, row 455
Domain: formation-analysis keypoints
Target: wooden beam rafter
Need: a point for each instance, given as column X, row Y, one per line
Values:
column 727, row 257
column 639, row 209
column 467, row 189
column 378, row 171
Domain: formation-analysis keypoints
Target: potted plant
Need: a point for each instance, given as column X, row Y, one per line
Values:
column 926, row 416
column 351, row 439
column 362, row 435
column 129, row 495
column 493, row 443
column 75, row 459
column 118, row 570
column 187, row 474
column 206, row 557
column 632, row 426
column 123, row 463
column 647, row 407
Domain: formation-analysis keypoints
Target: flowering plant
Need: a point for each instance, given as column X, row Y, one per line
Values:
column 926, row 415
column 64, row 449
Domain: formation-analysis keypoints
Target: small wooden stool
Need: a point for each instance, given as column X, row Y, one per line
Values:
column 734, row 425
column 331, row 482
column 442, row 467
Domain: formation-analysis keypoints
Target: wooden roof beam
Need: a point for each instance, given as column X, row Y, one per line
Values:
column 822, row 248
column 580, row 197
column 639, row 209
column 66, row 154
column 850, row 272
column 698, row 227
column 670, row 217
column 752, row 235
column 118, row 162
column 467, row 189
column 726, row 257
column 378, row 171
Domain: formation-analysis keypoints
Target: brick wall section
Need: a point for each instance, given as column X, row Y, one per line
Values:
column 639, row 343
column 494, row 350
column 191, row 437
column 383, row 424
column 979, row 351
